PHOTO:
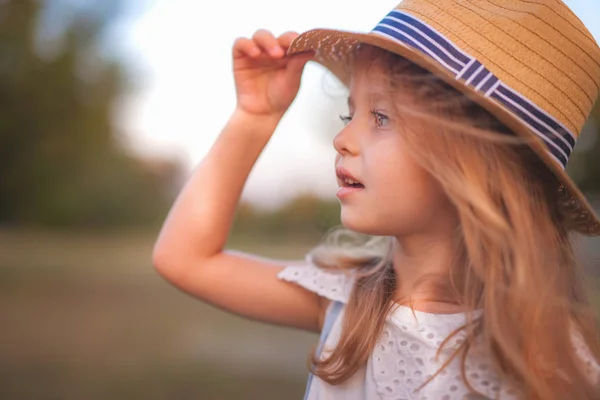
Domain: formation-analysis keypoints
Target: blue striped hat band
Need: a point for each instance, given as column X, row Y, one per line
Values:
column 409, row 31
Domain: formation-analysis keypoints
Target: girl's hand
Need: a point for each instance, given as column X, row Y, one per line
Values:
column 266, row 80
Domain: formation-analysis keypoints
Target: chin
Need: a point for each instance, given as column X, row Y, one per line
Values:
column 358, row 222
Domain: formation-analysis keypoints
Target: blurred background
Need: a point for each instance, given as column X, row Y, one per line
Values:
column 105, row 106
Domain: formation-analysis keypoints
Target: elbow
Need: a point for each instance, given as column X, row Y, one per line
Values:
column 163, row 261
column 173, row 262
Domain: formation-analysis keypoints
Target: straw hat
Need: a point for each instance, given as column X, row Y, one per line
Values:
column 531, row 63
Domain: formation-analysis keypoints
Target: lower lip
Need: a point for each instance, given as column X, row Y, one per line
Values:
column 345, row 191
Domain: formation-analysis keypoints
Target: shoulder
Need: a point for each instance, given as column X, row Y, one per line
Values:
column 331, row 284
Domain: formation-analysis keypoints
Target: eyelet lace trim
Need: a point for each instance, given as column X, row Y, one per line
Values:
column 405, row 355
column 591, row 367
column 405, row 358
column 332, row 285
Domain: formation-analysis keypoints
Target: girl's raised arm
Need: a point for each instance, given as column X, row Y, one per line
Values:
column 189, row 251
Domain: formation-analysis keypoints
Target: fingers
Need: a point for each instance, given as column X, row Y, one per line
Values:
column 286, row 39
column 243, row 47
column 263, row 43
column 298, row 61
column 267, row 42
column 296, row 65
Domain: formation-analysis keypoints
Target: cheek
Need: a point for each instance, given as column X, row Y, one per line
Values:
column 394, row 172
column 403, row 193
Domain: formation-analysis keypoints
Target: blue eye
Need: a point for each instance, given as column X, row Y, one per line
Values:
column 380, row 119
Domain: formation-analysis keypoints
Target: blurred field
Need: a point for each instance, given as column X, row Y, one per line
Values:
column 84, row 316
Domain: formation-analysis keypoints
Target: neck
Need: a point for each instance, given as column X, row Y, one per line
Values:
column 422, row 264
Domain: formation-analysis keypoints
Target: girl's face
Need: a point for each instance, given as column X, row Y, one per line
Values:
column 395, row 196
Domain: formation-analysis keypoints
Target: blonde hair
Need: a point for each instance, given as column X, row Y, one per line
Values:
column 515, row 260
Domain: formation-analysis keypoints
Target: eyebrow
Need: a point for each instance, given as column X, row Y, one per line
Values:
column 374, row 96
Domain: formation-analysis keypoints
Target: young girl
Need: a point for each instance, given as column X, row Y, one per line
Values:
column 455, row 276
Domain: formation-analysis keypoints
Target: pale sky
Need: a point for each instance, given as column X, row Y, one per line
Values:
column 184, row 51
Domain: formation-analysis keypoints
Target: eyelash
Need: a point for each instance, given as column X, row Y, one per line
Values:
column 347, row 118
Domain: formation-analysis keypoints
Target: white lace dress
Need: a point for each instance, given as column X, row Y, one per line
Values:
column 405, row 355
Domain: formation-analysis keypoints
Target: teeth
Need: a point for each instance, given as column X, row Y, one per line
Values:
column 348, row 181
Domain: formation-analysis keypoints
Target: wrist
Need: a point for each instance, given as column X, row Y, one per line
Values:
column 257, row 123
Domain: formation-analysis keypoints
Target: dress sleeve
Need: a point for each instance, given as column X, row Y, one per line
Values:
column 592, row 368
column 333, row 285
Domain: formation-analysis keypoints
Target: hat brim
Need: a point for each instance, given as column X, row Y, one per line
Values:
column 579, row 215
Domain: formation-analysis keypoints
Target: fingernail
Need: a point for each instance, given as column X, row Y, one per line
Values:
column 276, row 51
column 254, row 51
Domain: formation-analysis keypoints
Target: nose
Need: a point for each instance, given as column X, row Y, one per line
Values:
column 345, row 142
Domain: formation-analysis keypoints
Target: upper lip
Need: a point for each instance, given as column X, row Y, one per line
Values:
column 344, row 177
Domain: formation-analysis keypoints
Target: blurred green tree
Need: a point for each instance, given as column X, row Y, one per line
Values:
column 584, row 167
column 303, row 217
column 62, row 160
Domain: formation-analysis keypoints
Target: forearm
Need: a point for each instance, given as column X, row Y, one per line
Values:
column 198, row 224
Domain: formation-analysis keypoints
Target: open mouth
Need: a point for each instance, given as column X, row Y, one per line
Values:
column 351, row 183
column 345, row 179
